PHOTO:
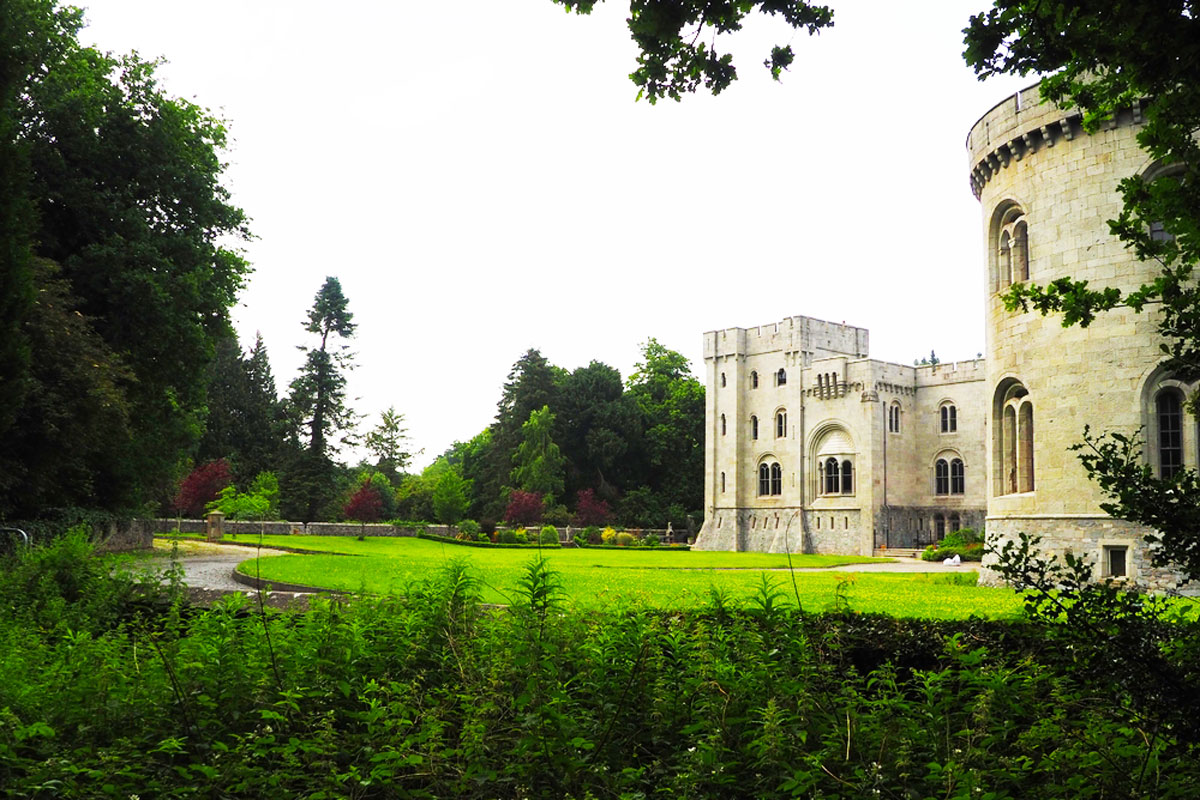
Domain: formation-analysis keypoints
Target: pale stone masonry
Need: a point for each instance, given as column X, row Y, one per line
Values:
column 812, row 446
column 1047, row 189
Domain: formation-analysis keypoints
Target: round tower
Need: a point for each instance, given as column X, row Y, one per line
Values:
column 1047, row 189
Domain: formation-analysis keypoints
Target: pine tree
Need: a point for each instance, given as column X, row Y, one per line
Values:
column 318, row 401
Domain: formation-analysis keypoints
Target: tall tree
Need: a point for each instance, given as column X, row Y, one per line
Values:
column 72, row 416
column 245, row 423
column 388, row 442
column 318, row 401
column 671, row 402
column 123, row 183
column 537, row 463
column 532, row 383
column 598, row 426
column 319, row 392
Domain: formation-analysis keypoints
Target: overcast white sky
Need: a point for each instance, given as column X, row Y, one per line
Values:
column 478, row 176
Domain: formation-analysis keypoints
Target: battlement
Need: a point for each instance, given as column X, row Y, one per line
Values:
column 1022, row 124
column 814, row 337
column 974, row 369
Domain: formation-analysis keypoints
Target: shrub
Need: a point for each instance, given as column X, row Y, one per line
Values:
column 589, row 510
column 592, row 534
column 625, row 539
column 930, row 553
column 470, row 528
column 482, row 537
column 549, row 535
column 608, row 536
column 201, row 487
column 651, row 540
column 521, row 536
column 487, row 525
column 507, row 536
column 581, row 539
column 961, row 538
column 365, row 505
column 557, row 515
column 524, row 508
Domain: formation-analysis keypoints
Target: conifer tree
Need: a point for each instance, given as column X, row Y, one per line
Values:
column 318, row 403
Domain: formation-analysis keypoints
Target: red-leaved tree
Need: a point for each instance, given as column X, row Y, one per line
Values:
column 201, row 487
column 365, row 505
column 589, row 510
column 524, row 508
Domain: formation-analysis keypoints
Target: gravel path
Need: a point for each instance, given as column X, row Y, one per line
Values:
column 210, row 566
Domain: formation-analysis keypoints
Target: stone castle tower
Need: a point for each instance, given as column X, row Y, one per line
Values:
column 1047, row 189
column 812, row 446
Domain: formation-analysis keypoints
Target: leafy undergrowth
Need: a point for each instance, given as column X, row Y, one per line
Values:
column 106, row 692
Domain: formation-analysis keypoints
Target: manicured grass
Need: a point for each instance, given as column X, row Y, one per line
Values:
column 631, row 558
column 607, row 578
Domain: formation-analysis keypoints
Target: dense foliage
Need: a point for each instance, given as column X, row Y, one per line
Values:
column 428, row 696
column 633, row 450
column 116, row 280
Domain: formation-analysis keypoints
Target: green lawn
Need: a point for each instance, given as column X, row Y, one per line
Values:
column 602, row 578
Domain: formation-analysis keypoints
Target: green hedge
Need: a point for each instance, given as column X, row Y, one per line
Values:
column 433, row 537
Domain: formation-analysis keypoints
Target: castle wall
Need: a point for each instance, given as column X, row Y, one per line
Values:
column 836, row 403
column 1034, row 163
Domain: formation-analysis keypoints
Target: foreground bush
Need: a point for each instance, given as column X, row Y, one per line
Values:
column 430, row 697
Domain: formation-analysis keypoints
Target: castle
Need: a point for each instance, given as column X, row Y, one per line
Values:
column 812, row 446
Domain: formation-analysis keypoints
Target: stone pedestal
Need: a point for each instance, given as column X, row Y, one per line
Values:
column 214, row 528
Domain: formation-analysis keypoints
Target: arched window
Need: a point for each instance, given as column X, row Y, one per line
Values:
column 949, row 415
column 833, row 453
column 941, row 477
column 753, row 427
column 780, row 424
column 1168, row 412
column 1020, row 252
column 1006, row 259
column 754, row 380
column 955, row 522
column 1009, row 237
column 894, row 418
column 780, row 377
column 770, row 479
column 722, row 380
column 831, row 476
column 939, row 526
column 958, row 481
column 1025, row 446
column 1013, row 438
column 722, row 424
column 1010, row 450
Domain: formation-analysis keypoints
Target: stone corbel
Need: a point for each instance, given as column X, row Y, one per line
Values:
column 1065, row 125
column 1046, row 137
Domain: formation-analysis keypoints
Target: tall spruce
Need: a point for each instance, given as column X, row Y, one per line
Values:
column 318, row 402
column 246, row 423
